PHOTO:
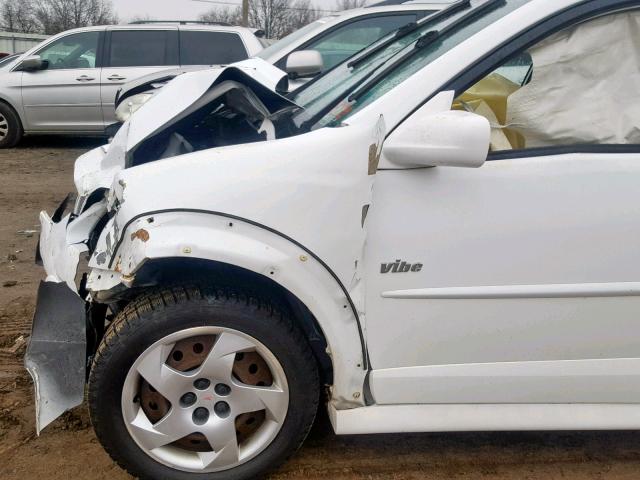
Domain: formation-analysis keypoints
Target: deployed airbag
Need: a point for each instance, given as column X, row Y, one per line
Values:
column 585, row 87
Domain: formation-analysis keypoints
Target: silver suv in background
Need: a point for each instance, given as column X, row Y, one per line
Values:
column 68, row 83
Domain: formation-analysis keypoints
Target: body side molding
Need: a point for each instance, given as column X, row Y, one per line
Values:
column 564, row 290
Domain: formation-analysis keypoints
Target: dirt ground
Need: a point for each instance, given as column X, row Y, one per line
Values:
column 36, row 176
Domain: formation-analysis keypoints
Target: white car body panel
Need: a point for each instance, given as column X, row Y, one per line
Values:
column 522, row 314
column 487, row 417
column 609, row 380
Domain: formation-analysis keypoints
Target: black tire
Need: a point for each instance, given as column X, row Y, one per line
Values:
column 10, row 127
column 157, row 314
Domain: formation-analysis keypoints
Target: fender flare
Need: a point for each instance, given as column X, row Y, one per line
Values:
column 211, row 235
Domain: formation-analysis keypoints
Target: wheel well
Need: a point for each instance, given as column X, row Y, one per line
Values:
column 180, row 271
column 5, row 102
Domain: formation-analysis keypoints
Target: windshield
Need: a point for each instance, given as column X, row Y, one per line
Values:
column 290, row 39
column 332, row 97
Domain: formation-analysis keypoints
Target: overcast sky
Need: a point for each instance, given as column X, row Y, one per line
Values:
column 177, row 9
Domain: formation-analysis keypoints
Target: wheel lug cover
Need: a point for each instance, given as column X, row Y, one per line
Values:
column 222, row 389
column 222, row 409
column 202, row 384
column 200, row 416
column 188, row 399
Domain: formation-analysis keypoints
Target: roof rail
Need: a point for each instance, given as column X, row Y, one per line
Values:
column 180, row 22
column 384, row 3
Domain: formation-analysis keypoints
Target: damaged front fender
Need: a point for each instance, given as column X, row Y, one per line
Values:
column 260, row 207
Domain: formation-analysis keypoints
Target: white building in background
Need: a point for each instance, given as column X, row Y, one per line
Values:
column 12, row 42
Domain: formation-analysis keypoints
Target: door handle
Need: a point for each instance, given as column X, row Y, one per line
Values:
column 84, row 78
column 115, row 78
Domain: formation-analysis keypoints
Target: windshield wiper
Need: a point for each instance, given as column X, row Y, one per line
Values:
column 423, row 41
column 412, row 27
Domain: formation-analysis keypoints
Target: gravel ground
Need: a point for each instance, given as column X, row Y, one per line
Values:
column 36, row 176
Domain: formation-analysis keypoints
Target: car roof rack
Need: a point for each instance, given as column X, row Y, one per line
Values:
column 180, row 22
column 385, row 3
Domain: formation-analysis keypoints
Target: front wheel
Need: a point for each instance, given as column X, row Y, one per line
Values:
column 202, row 383
column 10, row 127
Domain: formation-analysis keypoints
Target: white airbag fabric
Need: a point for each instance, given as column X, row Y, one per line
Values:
column 585, row 86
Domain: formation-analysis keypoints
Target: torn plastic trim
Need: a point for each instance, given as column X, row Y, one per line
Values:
column 61, row 242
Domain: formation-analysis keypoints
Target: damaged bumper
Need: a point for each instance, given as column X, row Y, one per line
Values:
column 56, row 355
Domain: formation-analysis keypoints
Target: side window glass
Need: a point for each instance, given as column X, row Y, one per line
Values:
column 143, row 48
column 71, row 52
column 210, row 48
column 345, row 41
column 578, row 86
column 518, row 70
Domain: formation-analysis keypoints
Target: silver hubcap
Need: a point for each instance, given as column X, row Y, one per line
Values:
column 204, row 402
column 4, row 127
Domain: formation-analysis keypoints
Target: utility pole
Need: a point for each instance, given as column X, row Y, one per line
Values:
column 245, row 13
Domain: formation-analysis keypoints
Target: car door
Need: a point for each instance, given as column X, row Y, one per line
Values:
column 65, row 95
column 133, row 53
column 518, row 282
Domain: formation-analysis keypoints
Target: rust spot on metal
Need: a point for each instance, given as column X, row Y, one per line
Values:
column 141, row 234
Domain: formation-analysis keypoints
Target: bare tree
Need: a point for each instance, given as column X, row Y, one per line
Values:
column 276, row 18
column 232, row 16
column 349, row 4
column 269, row 16
column 53, row 16
column 59, row 15
column 142, row 18
column 17, row 16
column 301, row 14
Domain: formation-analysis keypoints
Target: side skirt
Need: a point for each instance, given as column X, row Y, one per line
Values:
column 484, row 417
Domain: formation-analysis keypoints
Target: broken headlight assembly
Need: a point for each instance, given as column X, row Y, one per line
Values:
column 131, row 105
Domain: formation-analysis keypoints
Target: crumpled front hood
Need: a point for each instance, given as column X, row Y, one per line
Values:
column 96, row 168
